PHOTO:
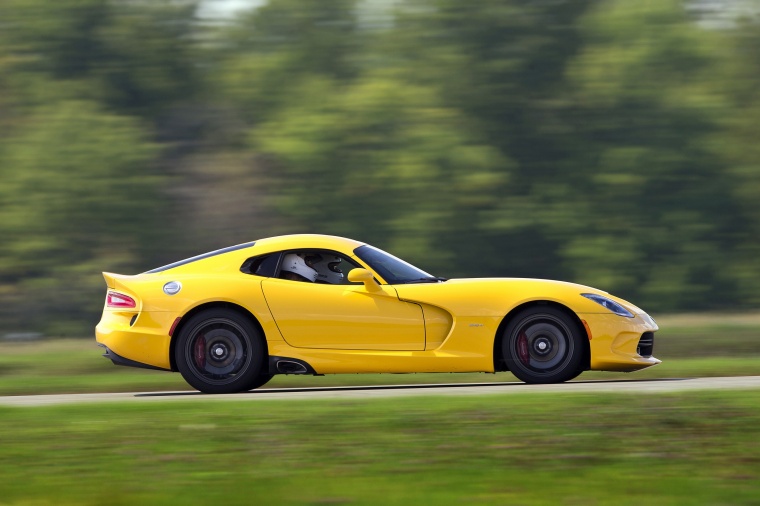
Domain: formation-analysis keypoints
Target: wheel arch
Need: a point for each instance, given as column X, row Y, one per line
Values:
column 498, row 360
column 203, row 307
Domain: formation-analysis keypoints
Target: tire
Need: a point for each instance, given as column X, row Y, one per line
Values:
column 260, row 381
column 220, row 351
column 543, row 345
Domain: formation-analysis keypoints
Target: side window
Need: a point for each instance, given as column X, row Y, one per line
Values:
column 265, row 266
column 316, row 266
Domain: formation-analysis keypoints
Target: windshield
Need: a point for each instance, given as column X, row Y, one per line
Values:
column 392, row 269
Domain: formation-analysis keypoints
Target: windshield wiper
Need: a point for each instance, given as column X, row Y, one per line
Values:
column 429, row 279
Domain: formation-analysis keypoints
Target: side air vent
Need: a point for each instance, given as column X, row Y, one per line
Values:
column 646, row 344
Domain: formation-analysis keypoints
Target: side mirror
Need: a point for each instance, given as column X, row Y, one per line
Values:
column 366, row 277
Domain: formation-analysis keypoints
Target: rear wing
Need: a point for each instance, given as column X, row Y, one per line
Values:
column 116, row 281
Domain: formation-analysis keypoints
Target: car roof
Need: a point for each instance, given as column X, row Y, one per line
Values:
column 230, row 258
column 298, row 241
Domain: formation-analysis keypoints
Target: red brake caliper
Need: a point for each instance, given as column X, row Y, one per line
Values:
column 200, row 352
column 522, row 348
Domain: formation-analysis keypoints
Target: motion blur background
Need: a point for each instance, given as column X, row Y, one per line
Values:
column 607, row 142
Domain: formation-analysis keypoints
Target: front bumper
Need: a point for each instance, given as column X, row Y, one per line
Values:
column 616, row 341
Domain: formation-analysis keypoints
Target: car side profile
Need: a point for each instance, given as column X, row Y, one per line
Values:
column 231, row 319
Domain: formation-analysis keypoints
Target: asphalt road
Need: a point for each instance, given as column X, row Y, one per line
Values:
column 616, row 386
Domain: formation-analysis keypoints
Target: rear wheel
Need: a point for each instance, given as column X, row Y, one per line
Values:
column 260, row 381
column 543, row 345
column 220, row 351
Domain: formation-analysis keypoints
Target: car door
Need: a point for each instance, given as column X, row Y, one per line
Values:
column 344, row 316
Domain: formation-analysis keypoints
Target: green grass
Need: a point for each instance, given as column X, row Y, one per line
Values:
column 708, row 335
column 689, row 345
column 573, row 449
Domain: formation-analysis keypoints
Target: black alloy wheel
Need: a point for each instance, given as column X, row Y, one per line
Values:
column 543, row 345
column 259, row 381
column 221, row 351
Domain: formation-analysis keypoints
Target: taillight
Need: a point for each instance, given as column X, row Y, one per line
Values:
column 119, row 300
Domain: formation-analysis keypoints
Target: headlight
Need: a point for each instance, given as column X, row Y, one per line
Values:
column 610, row 304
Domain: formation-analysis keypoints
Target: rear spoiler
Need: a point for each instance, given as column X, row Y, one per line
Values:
column 116, row 281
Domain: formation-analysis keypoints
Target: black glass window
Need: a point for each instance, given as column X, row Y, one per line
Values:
column 392, row 269
column 265, row 266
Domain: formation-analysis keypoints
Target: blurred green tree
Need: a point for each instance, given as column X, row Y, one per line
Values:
column 381, row 160
column 600, row 141
column 501, row 64
column 738, row 143
column 661, row 217
column 135, row 56
column 267, row 53
column 79, row 181
column 77, row 193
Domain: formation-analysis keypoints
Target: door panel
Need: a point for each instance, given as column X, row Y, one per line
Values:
column 344, row 317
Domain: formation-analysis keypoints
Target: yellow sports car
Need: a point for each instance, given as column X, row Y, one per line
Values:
column 230, row 319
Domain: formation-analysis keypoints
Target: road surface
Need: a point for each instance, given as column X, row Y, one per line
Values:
column 615, row 386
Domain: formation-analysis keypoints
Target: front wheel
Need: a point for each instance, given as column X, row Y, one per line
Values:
column 543, row 345
column 220, row 351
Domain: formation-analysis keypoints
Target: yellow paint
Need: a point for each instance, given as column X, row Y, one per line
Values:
column 438, row 324
column 346, row 317
column 362, row 327
column 146, row 342
column 613, row 347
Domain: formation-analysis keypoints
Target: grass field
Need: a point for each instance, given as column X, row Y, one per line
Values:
column 689, row 345
column 568, row 449
column 571, row 449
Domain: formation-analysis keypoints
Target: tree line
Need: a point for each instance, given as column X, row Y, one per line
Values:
column 606, row 142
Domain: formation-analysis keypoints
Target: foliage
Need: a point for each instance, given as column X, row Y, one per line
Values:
column 380, row 144
column 74, row 179
column 605, row 142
